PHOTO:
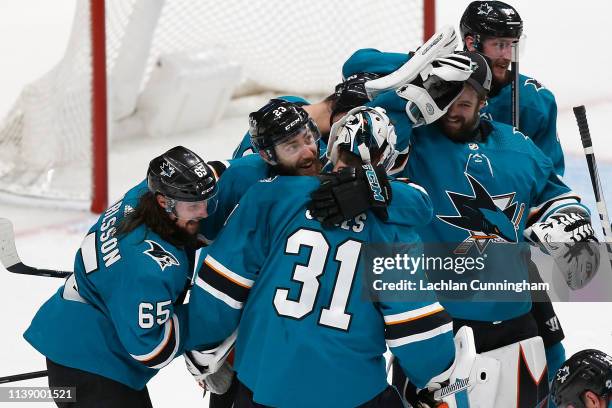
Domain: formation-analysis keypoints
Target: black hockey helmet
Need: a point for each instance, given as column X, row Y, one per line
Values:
column 587, row 370
column 351, row 93
column 277, row 122
column 181, row 175
column 483, row 19
column 481, row 77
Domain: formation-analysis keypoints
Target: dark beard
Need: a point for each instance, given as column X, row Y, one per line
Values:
column 467, row 132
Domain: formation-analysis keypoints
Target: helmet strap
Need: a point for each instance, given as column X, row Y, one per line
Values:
column 269, row 155
column 171, row 206
column 477, row 44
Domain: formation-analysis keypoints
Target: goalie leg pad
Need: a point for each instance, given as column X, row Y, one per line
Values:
column 523, row 374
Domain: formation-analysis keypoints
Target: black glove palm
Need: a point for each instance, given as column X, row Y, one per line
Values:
column 350, row 192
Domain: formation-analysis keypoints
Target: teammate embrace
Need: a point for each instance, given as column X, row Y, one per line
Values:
column 278, row 276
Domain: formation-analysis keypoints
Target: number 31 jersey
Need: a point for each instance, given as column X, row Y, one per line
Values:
column 307, row 336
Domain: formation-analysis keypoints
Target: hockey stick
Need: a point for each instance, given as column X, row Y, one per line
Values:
column 514, row 65
column 10, row 258
column 587, row 145
column 24, row 376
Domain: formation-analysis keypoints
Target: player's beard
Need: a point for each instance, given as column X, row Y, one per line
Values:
column 310, row 167
column 501, row 74
column 459, row 128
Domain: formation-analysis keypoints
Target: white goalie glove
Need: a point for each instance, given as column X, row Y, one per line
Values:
column 569, row 238
column 209, row 368
column 441, row 43
column 436, row 88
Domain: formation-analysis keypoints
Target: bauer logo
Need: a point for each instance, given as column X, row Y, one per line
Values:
column 430, row 109
column 160, row 255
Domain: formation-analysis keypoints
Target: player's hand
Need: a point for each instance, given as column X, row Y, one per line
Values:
column 350, row 192
column 217, row 382
column 422, row 398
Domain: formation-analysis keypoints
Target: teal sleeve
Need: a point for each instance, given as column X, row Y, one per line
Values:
column 410, row 204
column 141, row 306
column 226, row 275
column 372, row 60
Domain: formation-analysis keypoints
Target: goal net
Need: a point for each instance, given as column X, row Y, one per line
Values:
column 158, row 60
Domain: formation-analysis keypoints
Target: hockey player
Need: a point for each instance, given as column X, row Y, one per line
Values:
column 285, row 137
column 491, row 27
column 480, row 161
column 584, row 381
column 348, row 94
column 305, row 337
column 119, row 318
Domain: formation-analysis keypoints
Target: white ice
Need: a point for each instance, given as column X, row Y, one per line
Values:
column 563, row 51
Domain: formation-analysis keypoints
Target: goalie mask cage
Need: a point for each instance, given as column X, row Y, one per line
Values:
column 54, row 140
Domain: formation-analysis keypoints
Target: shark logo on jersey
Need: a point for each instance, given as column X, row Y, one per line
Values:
column 486, row 218
column 485, row 9
column 160, row 255
column 537, row 85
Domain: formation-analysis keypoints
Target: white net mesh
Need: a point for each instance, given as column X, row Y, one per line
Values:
column 295, row 47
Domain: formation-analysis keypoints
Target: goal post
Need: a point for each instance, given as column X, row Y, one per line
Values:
column 164, row 67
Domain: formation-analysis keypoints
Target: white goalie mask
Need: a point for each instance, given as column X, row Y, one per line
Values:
column 365, row 132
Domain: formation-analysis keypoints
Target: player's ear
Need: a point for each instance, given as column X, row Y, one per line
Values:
column 161, row 200
column 265, row 157
column 590, row 399
column 469, row 43
column 481, row 102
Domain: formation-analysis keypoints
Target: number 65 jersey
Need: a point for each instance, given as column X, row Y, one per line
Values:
column 120, row 314
column 306, row 336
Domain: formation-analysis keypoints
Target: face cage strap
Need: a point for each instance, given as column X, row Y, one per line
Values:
column 171, row 208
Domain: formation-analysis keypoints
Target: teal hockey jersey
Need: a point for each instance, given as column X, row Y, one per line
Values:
column 306, row 337
column 118, row 316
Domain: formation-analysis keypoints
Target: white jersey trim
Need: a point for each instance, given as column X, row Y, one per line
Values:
column 231, row 302
column 241, row 280
column 413, row 314
column 421, row 336
column 167, row 331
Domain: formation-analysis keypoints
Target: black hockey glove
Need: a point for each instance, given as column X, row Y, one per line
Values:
column 350, row 192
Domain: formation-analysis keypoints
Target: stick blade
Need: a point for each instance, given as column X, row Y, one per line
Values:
column 8, row 251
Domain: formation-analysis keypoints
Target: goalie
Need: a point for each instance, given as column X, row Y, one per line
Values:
column 466, row 164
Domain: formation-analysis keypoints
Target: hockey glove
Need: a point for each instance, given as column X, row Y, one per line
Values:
column 350, row 192
column 209, row 368
column 421, row 398
column 432, row 92
column 569, row 238
column 441, row 43
column 217, row 382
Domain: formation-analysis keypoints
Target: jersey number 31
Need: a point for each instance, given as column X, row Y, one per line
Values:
column 347, row 255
